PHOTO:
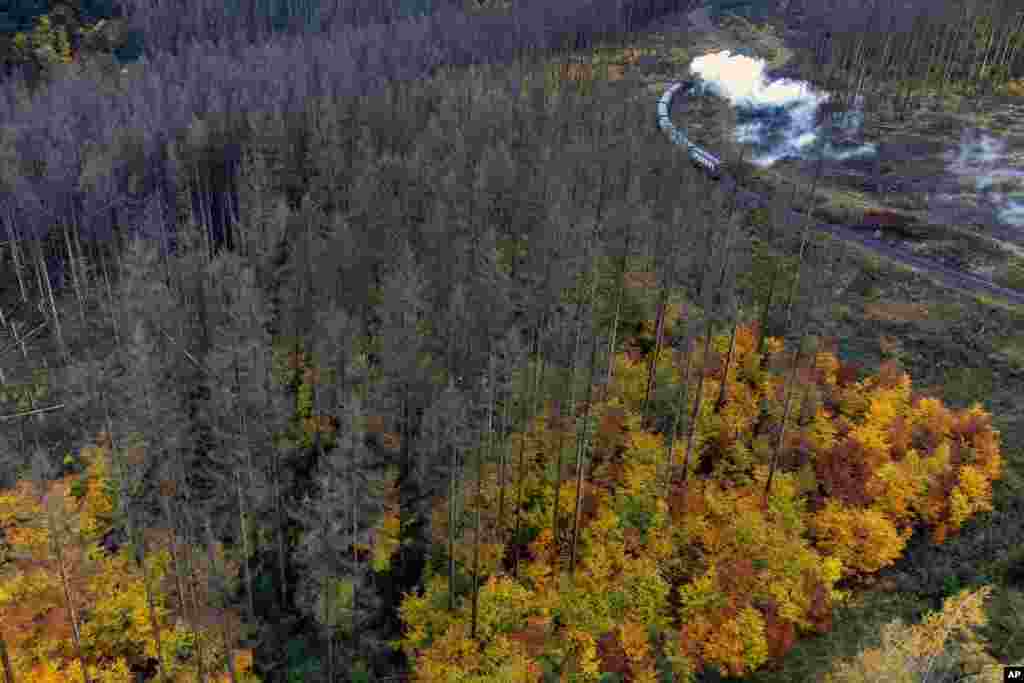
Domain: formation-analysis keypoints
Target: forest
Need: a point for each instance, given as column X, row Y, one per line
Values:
column 370, row 341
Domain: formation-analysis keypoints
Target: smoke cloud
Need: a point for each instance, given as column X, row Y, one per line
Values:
column 783, row 118
column 779, row 118
column 982, row 160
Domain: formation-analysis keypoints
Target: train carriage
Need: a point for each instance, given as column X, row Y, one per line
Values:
column 700, row 157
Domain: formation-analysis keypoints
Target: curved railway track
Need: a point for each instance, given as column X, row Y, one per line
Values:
column 947, row 275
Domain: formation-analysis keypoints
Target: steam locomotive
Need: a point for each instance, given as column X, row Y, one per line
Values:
column 699, row 156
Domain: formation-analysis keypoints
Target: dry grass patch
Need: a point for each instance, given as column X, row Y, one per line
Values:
column 640, row 280
column 1015, row 88
column 896, row 311
column 615, row 72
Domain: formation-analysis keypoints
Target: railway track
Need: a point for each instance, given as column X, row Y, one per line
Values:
column 949, row 276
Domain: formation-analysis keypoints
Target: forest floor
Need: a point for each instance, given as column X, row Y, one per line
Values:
column 959, row 346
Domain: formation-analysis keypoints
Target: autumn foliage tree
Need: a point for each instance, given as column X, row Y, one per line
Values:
column 94, row 594
column 946, row 642
column 720, row 576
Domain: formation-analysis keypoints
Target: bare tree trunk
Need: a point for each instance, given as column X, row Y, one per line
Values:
column 730, row 226
column 680, row 407
column 855, row 60
column 175, row 555
column 281, row 560
column 480, row 495
column 16, row 254
column 191, row 589
column 224, row 626
column 153, row 620
column 691, row 427
column 572, row 397
column 76, row 637
column 940, row 44
column 73, row 263
column 205, row 226
column 502, row 465
column 782, row 426
column 723, row 389
column 803, row 240
column 1004, row 51
column 1012, row 59
column 581, row 454
column 1009, row 51
column 243, row 524
column 979, row 74
column 926, row 29
column 559, row 466
column 20, row 339
column 243, row 507
column 452, row 464
column 327, row 620
column 521, row 476
column 53, row 306
column 110, row 299
column 762, row 329
column 81, row 260
column 568, row 410
column 652, row 365
column 5, row 660
column 619, row 295
column 885, row 62
column 356, row 633
column 949, row 57
column 331, row 677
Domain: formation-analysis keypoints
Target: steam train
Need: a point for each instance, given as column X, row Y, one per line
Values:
column 699, row 156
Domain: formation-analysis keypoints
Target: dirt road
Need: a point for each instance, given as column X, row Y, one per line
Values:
column 951, row 277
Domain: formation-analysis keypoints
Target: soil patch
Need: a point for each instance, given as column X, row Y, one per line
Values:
column 896, row 311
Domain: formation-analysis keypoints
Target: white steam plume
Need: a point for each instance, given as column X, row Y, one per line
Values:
column 777, row 117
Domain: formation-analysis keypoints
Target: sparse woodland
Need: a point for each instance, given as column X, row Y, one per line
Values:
column 897, row 59
column 332, row 351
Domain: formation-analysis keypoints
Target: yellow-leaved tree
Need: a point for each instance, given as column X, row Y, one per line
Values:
column 945, row 644
column 68, row 604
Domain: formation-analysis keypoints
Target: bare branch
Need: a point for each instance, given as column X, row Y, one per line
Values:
column 23, row 339
column 185, row 351
column 5, row 418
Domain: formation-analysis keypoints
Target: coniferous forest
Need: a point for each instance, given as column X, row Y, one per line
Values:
column 355, row 340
